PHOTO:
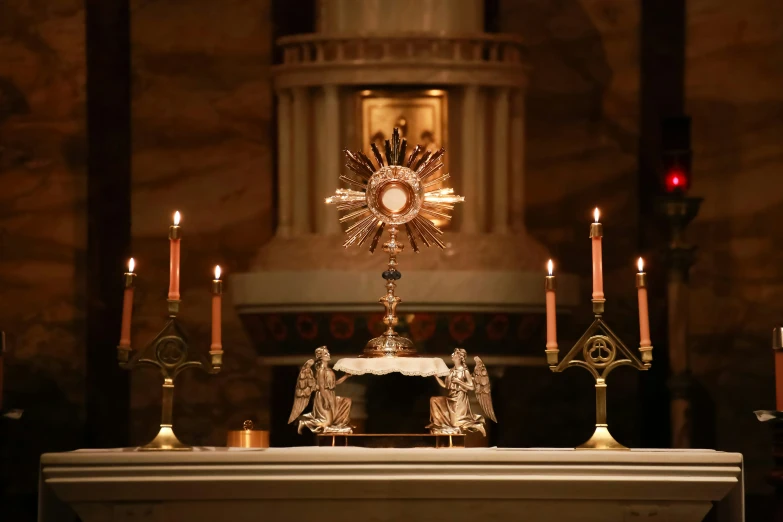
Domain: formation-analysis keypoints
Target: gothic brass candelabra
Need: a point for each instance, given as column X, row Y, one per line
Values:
column 169, row 352
column 601, row 352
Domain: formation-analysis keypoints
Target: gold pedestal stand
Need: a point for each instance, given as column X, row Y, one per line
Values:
column 396, row 440
column 170, row 354
column 601, row 352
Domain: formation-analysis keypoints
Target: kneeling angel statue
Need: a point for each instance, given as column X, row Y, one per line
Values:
column 331, row 414
column 451, row 415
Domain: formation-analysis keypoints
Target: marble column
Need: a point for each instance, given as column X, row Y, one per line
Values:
column 328, row 167
column 300, row 162
column 284, row 163
column 500, row 172
column 481, row 184
column 517, row 158
column 468, row 174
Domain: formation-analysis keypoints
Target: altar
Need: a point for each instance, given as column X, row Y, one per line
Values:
column 325, row 484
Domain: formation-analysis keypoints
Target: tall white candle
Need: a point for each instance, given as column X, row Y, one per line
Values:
column 551, row 315
column 596, row 235
column 174, row 245
column 644, row 314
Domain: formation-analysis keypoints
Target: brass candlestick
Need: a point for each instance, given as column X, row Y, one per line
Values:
column 601, row 352
column 169, row 352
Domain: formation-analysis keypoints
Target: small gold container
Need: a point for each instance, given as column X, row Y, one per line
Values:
column 247, row 437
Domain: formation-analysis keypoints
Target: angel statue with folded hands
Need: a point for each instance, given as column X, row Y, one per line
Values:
column 451, row 415
column 331, row 414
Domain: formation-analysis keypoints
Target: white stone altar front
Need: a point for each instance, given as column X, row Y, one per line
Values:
column 455, row 485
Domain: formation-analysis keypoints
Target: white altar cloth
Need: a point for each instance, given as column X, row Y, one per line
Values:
column 456, row 485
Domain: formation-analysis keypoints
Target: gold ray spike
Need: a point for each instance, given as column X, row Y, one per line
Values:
column 440, row 192
column 431, row 159
column 395, row 146
column 352, row 181
column 434, row 212
column 401, row 151
column 377, row 155
column 368, row 232
column 443, row 199
column 351, row 205
column 426, row 226
column 367, row 161
column 409, row 232
column 437, row 180
column 366, row 224
column 412, row 158
column 354, row 215
column 342, row 195
column 358, row 170
column 389, row 158
column 359, row 225
column 437, row 205
column 422, row 160
column 355, row 164
column 376, row 237
column 430, row 169
column 418, row 229
column 432, row 227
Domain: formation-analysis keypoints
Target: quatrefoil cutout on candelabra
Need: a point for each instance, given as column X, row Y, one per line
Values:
column 171, row 350
column 600, row 350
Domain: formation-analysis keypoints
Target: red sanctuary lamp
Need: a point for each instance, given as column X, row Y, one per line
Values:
column 676, row 180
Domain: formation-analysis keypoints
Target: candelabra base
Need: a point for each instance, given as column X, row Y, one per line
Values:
column 602, row 440
column 165, row 440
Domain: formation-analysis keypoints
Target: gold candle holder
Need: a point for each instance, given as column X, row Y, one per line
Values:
column 599, row 351
column 169, row 352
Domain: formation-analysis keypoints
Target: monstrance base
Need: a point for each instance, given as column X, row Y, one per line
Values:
column 390, row 345
column 392, row 440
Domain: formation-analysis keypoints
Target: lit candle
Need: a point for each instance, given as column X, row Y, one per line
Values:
column 174, row 240
column 551, row 318
column 596, row 233
column 644, row 314
column 127, row 306
column 217, row 298
column 777, row 348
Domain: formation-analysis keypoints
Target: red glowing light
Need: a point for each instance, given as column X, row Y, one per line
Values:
column 676, row 180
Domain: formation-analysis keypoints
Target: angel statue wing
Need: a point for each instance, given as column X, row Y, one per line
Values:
column 481, row 378
column 305, row 384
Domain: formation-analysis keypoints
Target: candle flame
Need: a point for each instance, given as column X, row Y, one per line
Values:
column 176, row 218
column 550, row 266
column 217, row 271
column 640, row 264
column 596, row 214
column 131, row 265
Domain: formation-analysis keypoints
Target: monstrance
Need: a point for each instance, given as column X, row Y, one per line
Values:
column 398, row 193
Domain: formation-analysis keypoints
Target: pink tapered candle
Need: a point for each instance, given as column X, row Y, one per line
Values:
column 551, row 316
column 127, row 306
column 644, row 314
column 174, row 240
column 217, row 298
column 596, row 234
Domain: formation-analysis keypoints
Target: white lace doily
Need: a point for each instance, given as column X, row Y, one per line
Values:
column 411, row 366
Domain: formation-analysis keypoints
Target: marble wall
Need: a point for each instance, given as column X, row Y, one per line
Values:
column 201, row 123
column 733, row 87
column 42, row 235
column 581, row 152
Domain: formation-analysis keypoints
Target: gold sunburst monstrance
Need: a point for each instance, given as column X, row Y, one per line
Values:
column 394, row 193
